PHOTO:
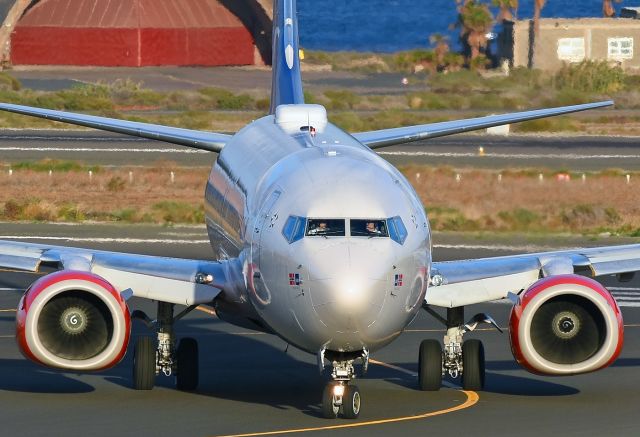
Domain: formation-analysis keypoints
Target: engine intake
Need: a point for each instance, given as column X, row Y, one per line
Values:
column 566, row 324
column 73, row 320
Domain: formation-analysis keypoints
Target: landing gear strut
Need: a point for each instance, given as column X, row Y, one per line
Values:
column 340, row 395
column 459, row 358
column 163, row 357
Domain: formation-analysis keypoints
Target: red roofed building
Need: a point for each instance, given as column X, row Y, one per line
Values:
column 134, row 33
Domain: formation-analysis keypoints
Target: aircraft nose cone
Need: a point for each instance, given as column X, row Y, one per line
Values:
column 348, row 287
column 349, row 305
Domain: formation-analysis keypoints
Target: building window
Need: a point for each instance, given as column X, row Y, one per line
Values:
column 571, row 49
column 620, row 48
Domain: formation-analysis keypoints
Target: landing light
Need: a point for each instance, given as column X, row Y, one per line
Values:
column 338, row 390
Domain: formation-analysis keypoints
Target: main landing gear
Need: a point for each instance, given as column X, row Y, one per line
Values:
column 340, row 395
column 464, row 359
column 151, row 359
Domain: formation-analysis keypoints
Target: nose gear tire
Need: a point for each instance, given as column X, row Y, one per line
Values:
column 351, row 402
column 329, row 408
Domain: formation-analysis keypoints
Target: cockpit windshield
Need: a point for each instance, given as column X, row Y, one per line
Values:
column 325, row 228
column 369, row 228
column 296, row 228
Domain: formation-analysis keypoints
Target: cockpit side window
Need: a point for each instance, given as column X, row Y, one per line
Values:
column 320, row 227
column 397, row 231
column 293, row 229
column 369, row 228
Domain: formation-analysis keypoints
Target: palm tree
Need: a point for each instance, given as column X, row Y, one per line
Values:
column 534, row 30
column 440, row 44
column 508, row 8
column 607, row 8
column 476, row 20
column 537, row 9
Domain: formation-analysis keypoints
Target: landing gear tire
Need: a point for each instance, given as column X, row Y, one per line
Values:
column 430, row 365
column 473, row 371
column 187, row 357
column 329, row 408
column 144, row 364
column 351, row 402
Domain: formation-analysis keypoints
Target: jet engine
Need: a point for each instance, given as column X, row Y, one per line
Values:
column 73, row 320
column 564, row 325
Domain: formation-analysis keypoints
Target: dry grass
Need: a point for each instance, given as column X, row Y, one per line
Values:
column 520, row 201
column 107, row 195
column 604, row 202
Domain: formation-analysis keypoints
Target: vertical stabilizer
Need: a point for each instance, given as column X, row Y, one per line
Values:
column 286, row 87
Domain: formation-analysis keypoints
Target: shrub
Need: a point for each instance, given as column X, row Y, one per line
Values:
column 116, row 184
column 9, row 82
column 342, row 99
column 590, row 76
column 71, row 213
column 223, row 99
column 519, row 219
column 347, row 121
column 179, row 212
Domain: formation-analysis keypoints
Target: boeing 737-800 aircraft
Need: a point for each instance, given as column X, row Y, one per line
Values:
column 323, row 243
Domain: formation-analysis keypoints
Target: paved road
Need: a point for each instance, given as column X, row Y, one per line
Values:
column 251, row 384
column 573, row 153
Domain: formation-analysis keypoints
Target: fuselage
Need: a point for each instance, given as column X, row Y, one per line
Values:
column 345, row 288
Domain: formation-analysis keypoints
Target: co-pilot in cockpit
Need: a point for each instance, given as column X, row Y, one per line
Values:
column 297, row 228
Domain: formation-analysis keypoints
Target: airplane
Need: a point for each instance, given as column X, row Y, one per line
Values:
column 323, row 243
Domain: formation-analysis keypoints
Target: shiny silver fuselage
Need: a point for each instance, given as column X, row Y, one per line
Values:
column 348, row 297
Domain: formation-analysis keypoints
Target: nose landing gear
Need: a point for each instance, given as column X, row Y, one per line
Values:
column 340, row 395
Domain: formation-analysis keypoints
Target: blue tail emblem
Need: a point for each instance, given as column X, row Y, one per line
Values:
column 286, row 87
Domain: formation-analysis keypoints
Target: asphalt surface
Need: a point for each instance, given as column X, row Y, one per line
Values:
column 250, row 383
column 580, row 153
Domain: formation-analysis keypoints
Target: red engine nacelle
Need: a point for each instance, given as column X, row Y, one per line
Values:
column 566, row 324
column 73, row 320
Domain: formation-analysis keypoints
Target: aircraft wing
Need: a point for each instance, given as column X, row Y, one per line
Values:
column 466, row 282
column 179, row 281
column 211, row 141
column 389, row 137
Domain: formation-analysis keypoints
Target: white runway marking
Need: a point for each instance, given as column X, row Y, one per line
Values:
column 11, row 289
column 100, row 149
column 499, row 247
column 103, row 239
column 69, row 138
column 508, row 155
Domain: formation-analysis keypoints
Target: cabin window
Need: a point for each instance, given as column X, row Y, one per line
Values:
column 320, row 227
column 293, row 229
column 369, row 228
column 397, row 231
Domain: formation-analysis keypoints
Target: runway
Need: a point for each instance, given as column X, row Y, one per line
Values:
column 251, row 383
column 579, row 153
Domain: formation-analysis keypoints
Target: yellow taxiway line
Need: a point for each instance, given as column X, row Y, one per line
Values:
column 472, row 399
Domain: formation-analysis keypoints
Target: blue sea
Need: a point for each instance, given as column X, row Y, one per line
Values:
column 392, row 25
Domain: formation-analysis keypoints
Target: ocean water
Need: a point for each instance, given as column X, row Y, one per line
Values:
column 392, row 25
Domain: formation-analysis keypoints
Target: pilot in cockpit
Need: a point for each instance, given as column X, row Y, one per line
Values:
column 372, row 229
column 320, row 229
